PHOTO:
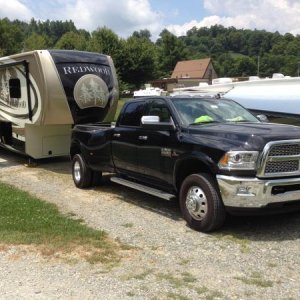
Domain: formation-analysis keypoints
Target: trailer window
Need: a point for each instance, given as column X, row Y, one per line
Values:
column 14, row 88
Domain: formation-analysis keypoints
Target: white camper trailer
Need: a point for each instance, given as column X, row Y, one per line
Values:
column 43, row 93
column 278, row 97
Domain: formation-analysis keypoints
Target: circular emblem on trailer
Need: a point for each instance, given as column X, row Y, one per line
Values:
column 90, row 90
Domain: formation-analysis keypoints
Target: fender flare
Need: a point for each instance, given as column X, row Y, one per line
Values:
column 197, row 157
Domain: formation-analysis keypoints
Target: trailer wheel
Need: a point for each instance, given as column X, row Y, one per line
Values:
column 82, row 174
column 200, row 203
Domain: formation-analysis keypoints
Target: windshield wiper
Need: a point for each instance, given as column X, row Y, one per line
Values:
column 239, row 121
column 203, row 123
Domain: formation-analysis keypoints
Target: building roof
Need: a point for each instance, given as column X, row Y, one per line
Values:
column 191, row 68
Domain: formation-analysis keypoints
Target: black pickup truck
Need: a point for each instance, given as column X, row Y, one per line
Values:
column 211, row 154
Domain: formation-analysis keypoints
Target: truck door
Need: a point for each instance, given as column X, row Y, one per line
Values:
column 156, row 150
column 125, row 138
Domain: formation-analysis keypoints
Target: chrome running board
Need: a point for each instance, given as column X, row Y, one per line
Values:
column 143, row 188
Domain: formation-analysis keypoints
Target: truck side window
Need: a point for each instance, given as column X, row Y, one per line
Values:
column 132, row 114
column 14, row 88
column 160, row 108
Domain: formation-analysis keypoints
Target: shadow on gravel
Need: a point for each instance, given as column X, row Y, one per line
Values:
column 169, row 209
column 279, row 227
column 9, row 159
column 61, row 165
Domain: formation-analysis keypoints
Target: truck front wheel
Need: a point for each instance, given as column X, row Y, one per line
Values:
column 82, row 175
column 200, row 203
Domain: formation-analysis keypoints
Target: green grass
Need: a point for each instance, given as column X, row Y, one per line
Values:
column 255, row 279
column 176, row 296
column 242, row 242
column 179, row 280
column 138, row 276
column 26, row 220
column 127, row 225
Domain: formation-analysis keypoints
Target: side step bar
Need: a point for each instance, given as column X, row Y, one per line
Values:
column 143, row 188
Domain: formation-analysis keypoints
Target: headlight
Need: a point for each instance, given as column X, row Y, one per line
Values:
column 239, row 160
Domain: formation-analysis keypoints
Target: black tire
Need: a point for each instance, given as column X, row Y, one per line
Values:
column 200, row 202
column 82, row 174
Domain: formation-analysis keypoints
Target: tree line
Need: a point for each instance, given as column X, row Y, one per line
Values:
column 235, row 52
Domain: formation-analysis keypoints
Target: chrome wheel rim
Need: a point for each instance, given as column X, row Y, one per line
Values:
column 77, row 171
column 196, row 203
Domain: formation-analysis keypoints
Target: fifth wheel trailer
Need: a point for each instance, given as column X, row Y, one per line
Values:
column 44, row 93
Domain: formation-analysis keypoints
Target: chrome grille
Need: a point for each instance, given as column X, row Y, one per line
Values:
column 282, row 150
column 280, row 158
column 282, row 166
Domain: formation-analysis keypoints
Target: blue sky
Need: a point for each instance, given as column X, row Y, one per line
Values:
column 179, row 11
column 126, row 16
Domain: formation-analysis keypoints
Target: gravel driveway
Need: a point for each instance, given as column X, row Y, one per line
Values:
column 249, row 258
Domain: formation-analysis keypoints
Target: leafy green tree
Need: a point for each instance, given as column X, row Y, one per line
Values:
column 245, row 66
column 224, row 65
column 72, row 41
column 170, row 50
column 36, row 41
column 104, row 40
column 270, row 64
column 279, row 48
column 54, row 30
column 293, row 48
column 137, row 64
column 291, row 65
column 216, row 48
column 138, row 59
column 235, row 40
column 142, row 34
column 11, row 37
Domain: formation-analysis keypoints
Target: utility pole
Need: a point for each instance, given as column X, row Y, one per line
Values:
column 258, row 66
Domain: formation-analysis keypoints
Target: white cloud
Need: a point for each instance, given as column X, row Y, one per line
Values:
column 123, row 17
column 14, row 9
column 126, row 16
column 279, row 15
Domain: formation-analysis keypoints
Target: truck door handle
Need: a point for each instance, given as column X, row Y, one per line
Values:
column 143, row 137
column 117, row 135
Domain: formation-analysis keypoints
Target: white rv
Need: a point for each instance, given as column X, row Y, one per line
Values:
column 43, row 93
column 278, row 97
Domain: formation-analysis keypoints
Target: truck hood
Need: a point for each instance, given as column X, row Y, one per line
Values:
column 248, row 136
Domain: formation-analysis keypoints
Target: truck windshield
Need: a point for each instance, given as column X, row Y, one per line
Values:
column 197, row 111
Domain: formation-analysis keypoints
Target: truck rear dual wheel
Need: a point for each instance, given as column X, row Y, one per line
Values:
column 83, row 176
column 200, row 203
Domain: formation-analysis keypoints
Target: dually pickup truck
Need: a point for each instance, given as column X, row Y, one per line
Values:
column 211, row 154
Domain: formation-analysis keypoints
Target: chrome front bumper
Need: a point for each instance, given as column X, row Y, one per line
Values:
column 256, row 193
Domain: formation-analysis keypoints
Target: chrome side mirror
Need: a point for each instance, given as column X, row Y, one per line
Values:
column 262, row 118
column 150, row 120
column 153, row 122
